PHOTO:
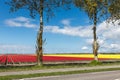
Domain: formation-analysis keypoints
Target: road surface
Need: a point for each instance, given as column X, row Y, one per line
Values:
column 107, row 75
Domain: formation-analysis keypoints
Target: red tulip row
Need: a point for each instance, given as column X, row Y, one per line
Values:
column 20, row 58
column 17, row 58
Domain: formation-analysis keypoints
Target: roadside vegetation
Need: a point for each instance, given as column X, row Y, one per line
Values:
column 56, row 66
column 14, row 77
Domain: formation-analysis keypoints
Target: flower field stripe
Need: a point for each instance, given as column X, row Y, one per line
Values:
column 28, row 58
column 110, row 56
column 107, row 56
column 17, row 58
column 72, row 55
column 2, row 59
column 61, row 58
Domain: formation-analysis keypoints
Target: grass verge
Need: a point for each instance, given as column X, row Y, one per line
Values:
column 14, row 77
column 55, row 66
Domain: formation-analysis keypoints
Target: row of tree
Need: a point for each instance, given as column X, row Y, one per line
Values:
column 95, row 9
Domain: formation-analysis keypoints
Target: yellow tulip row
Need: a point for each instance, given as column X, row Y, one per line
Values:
column 111, row 56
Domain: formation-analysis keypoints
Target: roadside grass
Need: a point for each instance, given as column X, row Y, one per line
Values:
column 55, row 66
column 94, row 63
column 15, row 77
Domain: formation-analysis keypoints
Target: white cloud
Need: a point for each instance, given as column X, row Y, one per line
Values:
column 109, row 30
column 16, row 49
column 66, row 22
column 89, row 41
column 84, row 48
column 72, row 31
column 101, row 41
column 21, row 22
column 113, row 33
column 22, row 19
column 13, row 23
column 110, row 47
column 108, row 34
column 114, row 46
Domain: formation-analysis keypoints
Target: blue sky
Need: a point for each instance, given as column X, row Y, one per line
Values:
column 68, row 32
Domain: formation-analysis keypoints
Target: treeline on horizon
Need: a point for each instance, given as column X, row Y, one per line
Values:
column 82, row 53
column 54, row 53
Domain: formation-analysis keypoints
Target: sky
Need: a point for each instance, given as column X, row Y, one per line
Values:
column 69, row 31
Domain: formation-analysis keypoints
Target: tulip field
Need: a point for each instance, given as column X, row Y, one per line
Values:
column 28, row 58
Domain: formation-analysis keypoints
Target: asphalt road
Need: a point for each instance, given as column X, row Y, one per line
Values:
column 107, row 75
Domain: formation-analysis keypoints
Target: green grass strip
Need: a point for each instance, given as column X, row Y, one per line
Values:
column 55, row 66
column 11, row 77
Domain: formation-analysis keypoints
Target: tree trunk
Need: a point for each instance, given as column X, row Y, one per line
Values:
column 6, row 61
column 39, row 49
column 95, row 44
